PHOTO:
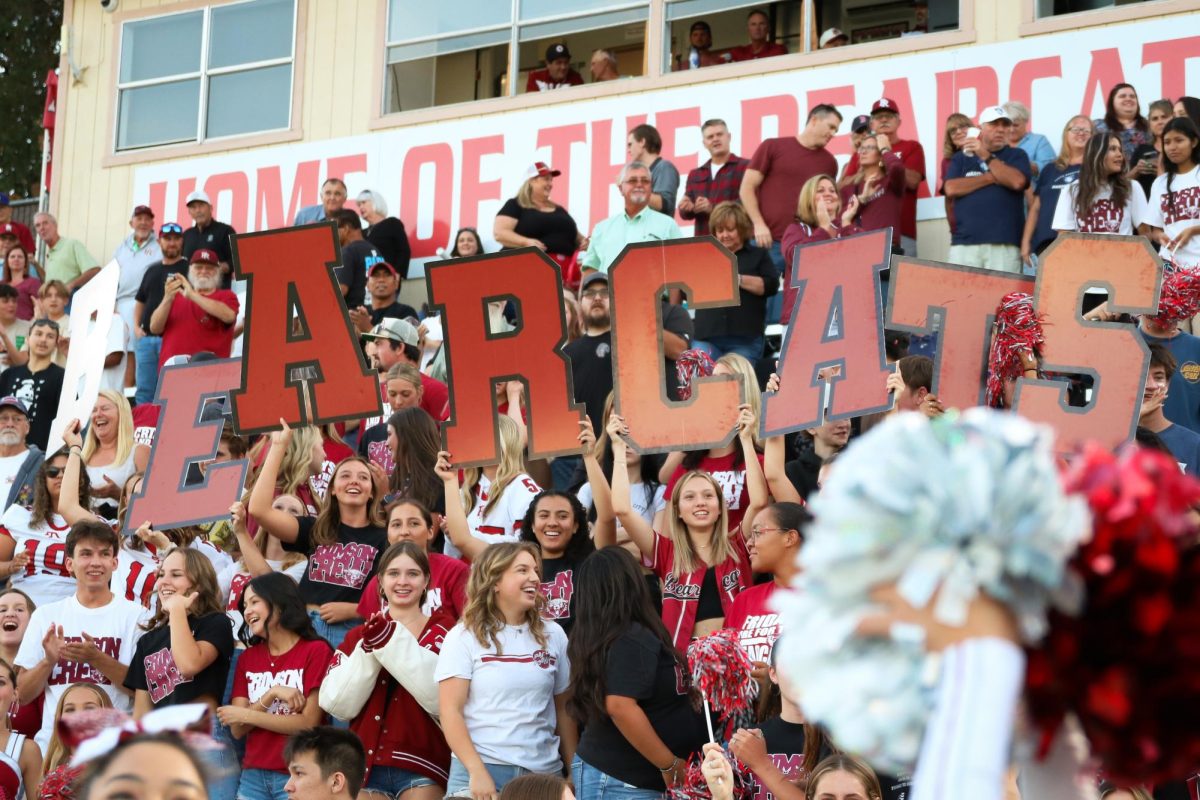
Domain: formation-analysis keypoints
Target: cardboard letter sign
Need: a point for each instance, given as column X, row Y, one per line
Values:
column 291, row 269
column 964, row 300
column 835, row 280
column 89, row 347
column 476, row 359
column 181, row 439
column 1113, row 353
column 658, row 424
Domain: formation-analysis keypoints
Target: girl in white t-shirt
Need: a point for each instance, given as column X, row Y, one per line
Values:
column 494, row 498
column 502, row 678
column 33, row 550
column 1103, row 200
column 109, row 451
column 1175, row 196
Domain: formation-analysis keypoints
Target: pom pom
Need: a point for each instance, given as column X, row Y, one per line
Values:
column 1180, row 296
column 59, row 783
column 1017, row 340
column 1127, row 667
column 722, row 671
column 695, row 787
column 942, row 510
column 690, row 365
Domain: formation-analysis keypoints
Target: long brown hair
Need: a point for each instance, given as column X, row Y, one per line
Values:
column 482, row 617
column 200, row 572
column 329, row 518
column 413, row 551
column 955, row 120
column 43, row 508
column 418, row 443
column 1093, row 175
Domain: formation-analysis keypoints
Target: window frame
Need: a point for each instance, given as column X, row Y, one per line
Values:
column 656, row 77
column 204, row 74
column 1032, row 25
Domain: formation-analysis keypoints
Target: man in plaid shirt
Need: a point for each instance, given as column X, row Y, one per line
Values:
column 714, row 181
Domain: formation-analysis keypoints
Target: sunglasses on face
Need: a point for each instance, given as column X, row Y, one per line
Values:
column 54, row 472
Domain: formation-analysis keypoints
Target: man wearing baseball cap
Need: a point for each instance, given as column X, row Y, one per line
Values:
column 383, row 288
column 987, row 181
column 397, row 341
column 196, row 313
column 18, row 461
column 147, row 346
column 207, row 233
column 885, row 121
column 134, row 256
column 832, row 37
column 8, row 238
column 22, row 233
column 67, row 260
column 557, row 74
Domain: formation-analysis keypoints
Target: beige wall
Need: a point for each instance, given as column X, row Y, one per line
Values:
column 339, row 81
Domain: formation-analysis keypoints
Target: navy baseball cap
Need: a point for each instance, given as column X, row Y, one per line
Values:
column 169, row 228
column 861, row 123
column 13, row 402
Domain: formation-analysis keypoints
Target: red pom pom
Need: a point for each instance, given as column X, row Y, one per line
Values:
column 694, row 787
column 1017, row 330
column 690, row 365
column 1127, row 667
column 1180, row 296
column 723, row 672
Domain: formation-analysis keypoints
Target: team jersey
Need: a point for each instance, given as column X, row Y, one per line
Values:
column 12, row 780
column 503, row 520
column 45, row 577
column 137, row 571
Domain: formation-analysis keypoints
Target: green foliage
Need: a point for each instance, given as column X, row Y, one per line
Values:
column 29, row 45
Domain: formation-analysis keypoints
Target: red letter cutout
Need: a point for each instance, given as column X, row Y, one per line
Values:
column 839, row 277
column 1131, row 272
column 923, row 290
column 181, row 439
column 708, row 274
column 477, row 359
column 286, row 269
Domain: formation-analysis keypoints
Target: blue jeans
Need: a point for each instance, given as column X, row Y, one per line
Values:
column 221, row 732
column 460, row 779
column 262, row 784
column 146, row 351
column 333, row 632
column 223, row 770
column 751, row 347
column 393, row 781
column 592, row 784
column 775, row 301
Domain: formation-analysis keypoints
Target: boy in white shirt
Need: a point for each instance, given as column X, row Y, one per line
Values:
column 88, row 637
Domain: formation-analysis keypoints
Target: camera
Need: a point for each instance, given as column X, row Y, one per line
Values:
column 109, row 5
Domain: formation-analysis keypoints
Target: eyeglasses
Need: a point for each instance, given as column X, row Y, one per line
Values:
column 1079, row 130
column 54, row 472
column 596, row 294
column 756, row 533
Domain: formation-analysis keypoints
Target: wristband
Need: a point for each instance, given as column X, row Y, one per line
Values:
column 75, row 450
column 672, row 766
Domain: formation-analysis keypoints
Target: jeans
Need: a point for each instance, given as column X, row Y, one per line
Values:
column 460, row 779
column 393, row 781
column 592, row 784
column 262, row 784
column 222, row 769
column 221, row 731
column 751, row 347
column 332, row 632
column 146, row 351
column 775, row 301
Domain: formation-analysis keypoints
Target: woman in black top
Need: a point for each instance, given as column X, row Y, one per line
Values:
column 386, row 233
column 629, row 685
column 738, row 329
column 532, row 219
column 556, row 522
column 343, row 543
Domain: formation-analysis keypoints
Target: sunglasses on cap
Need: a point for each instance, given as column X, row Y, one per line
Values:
column 170, row 227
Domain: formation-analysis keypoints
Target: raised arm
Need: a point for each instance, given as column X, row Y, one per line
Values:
column 254, row 561
column 68, row 493
column 604, row 531
column 456, row 518
column 282, row 525
column 622, row 499
column 756, row 481
column 774, row 459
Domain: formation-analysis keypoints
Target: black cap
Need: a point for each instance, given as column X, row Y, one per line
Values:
column 861, row 123
column 557, row 51
column 592, row 277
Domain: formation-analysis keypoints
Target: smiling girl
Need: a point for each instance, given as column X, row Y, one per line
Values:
column 503, row 674
column 343, row 543
column 275, row 687
column 20, row 759
column 382, row 681
column 1175, row 198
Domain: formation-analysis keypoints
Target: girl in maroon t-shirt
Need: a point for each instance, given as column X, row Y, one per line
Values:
column 702, row 563
column 410, row 521
column 381, row 680
column 276, row 683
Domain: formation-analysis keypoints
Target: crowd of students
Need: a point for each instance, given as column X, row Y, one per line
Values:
column 492, row 631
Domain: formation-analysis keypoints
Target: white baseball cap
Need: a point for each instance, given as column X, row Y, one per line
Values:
column 993, row 113
column 198, row 197
column 829, row 35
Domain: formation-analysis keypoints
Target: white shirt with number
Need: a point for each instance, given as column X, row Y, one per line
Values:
column 503, row 521
column 45, row 577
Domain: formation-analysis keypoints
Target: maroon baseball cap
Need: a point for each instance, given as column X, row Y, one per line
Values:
column 205, row 256
column 138, row 210
column 382, row 265
column 8, row 229
column 884, row 104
